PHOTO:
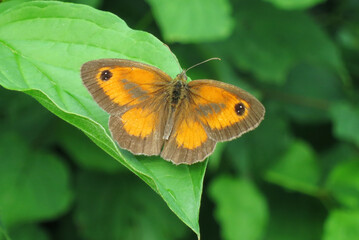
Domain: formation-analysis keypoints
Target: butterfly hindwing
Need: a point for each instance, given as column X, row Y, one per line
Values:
column 140, row 129
column 188, row 142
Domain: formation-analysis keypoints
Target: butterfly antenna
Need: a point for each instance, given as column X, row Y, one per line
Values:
column 210, row 59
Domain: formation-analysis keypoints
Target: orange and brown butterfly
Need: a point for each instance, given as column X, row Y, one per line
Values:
column 153, row 114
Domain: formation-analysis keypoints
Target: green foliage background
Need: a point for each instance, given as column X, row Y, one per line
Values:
column 294, row 177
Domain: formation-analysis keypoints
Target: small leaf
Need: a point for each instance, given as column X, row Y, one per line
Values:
column 241, row 209
column 33, row 185
column 216, row 157
column 335, row 157
column 342, row 224
column 193, row 21
column 297, row 169
column 23, row 115
column 343, row 183
column 269, row 42
column 252, row 153
column 294, row 216
column 28, row 232
column 125, row 209
column 295, row 4
column 310, row 104
column 346, row 121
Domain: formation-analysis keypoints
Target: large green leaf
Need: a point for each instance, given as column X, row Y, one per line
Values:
column 342, row 224
column 33, row 185
column 193, row 21
column 241, row 209
column 42, row 47
column 124, row 210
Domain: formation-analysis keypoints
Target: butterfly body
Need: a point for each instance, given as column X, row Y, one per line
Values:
column 153, row 114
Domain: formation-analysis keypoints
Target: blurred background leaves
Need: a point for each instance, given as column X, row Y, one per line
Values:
column 295, row 177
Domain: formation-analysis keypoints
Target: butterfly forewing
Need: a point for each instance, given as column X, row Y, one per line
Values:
column 118, row 84
column 225, row 111
column 133, row 94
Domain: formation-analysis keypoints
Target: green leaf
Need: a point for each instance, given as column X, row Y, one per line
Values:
column 346, row 121
column 348, row 36
column 295, row 4
column 251, row 154
column 193, row 21
column 241, row 209
column 44, row 44
column 84, row 152
column 297, row 169
column 227, row 73
column 335, row 156
column 303, row 96
column 216, row 157
column 342, row 224
column 3, row 233
column 269, row 42
column 294, row 216
column 28, row 232
column 92, row 3
column 33, row 185
column 23, row 115
column 343, row 183
column 125, row 209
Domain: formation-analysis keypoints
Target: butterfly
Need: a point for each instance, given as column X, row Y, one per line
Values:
column 154, row 114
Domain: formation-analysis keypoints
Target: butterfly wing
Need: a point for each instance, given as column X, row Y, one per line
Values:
column 225, row 111
column 140, row 128
column 119, row 84
column 212, row 111
column 133, row 94
column 188, row 142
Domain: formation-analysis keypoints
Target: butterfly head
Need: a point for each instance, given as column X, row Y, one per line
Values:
column 181, row 77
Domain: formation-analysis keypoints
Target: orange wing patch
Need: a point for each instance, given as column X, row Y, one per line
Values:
column 218, row 106
column 139, row 122
column 127, row 85
column 190, row 134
